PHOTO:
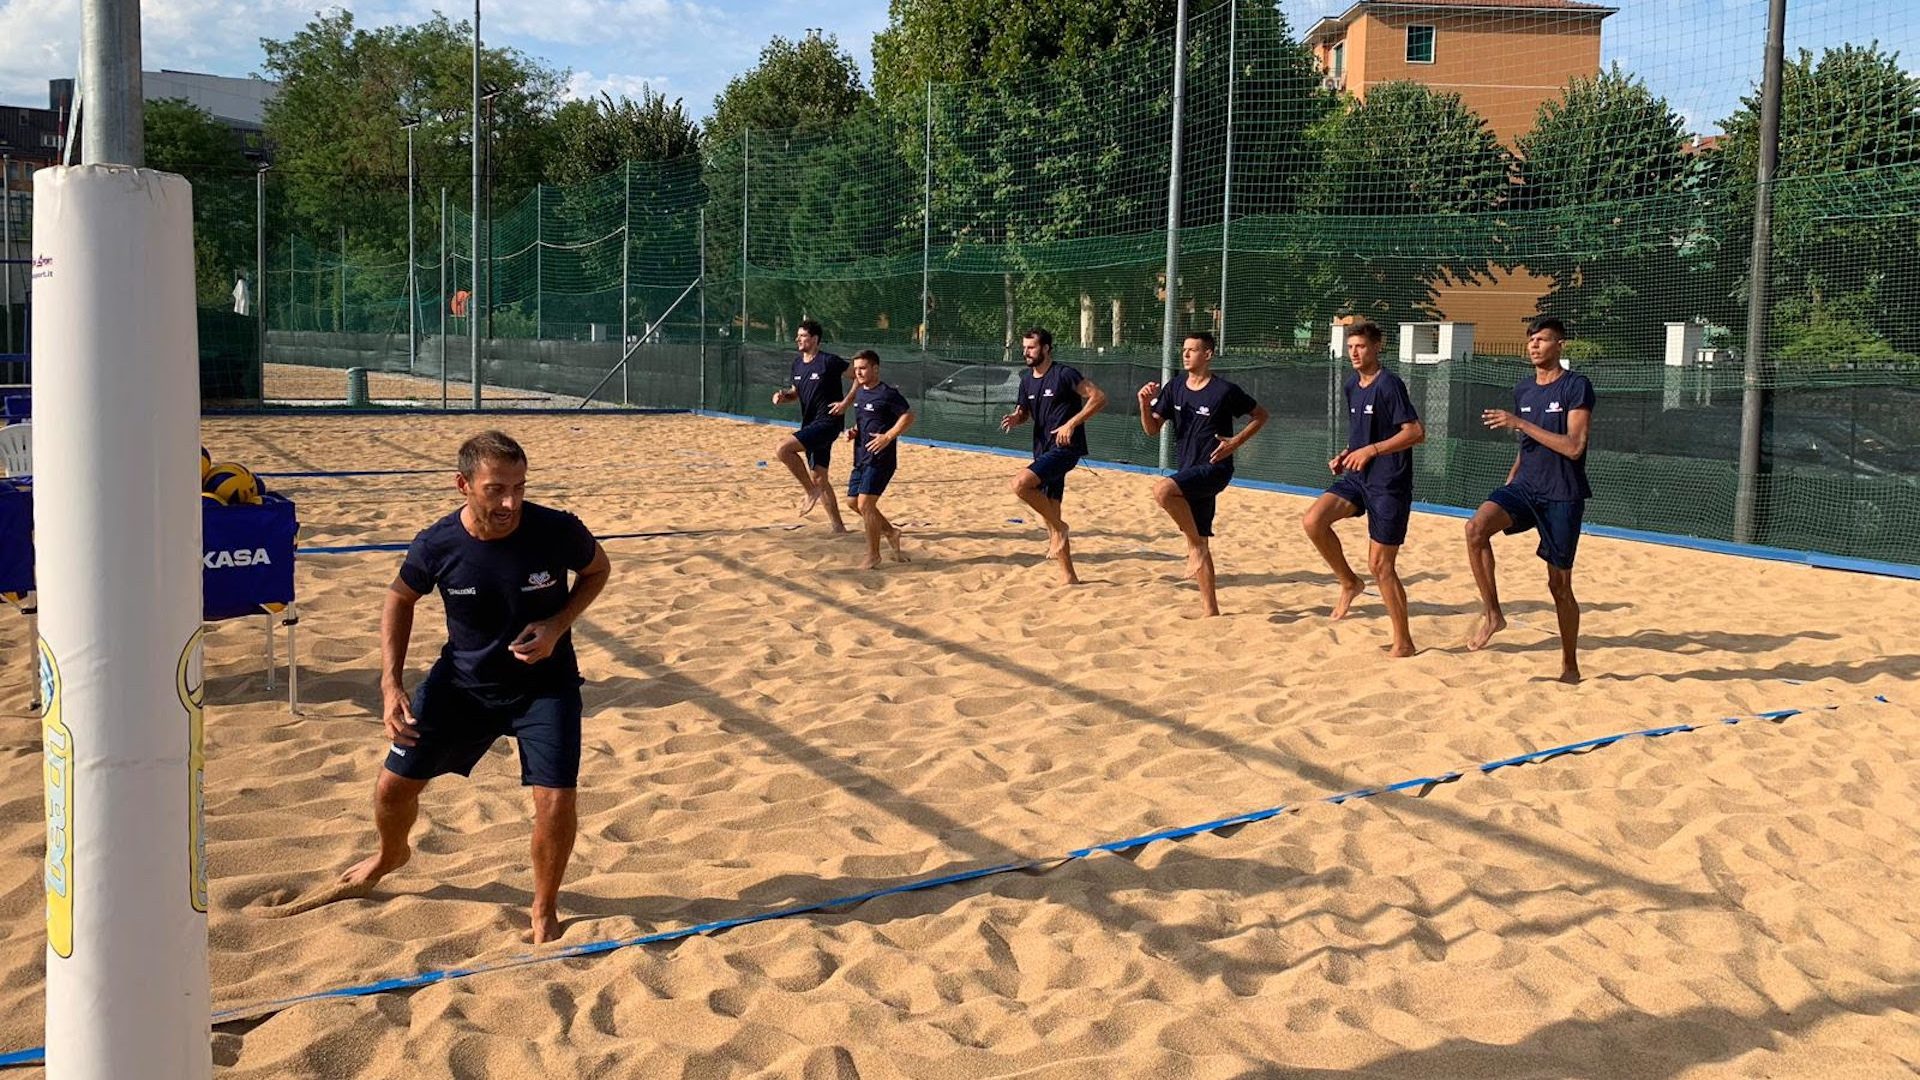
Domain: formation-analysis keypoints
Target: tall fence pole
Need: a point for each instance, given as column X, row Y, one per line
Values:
column 539, row 264
column 1173, row 216
column 6, row 243
column 626, row 257
column 413, row 292
column 746, row 149
column 1753, row 390
column 473, row 322
column 926, row 234
column 443, row 297
column 340, row 288
column 1226, row 198
column 260, row 274
column 703, row 307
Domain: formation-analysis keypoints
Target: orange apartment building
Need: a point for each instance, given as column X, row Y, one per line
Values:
column 1504, row 58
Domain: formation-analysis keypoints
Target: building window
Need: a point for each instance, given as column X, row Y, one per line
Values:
column 1337, row 64
column 1419, row 44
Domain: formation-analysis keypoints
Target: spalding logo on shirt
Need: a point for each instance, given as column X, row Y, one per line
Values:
column 539, row 579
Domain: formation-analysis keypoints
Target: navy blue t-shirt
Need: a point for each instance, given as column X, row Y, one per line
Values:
column 1375, row 414
column 1548, row 475
column 1201, row 418
column 876, row 411
column 819, row 385
column 493, row 588
column 1051, row 400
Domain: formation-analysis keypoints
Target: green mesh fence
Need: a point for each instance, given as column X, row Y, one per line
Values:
column 1448, row 171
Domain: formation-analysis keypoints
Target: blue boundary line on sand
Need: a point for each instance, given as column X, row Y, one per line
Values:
column 1817, row 559
column 35, row 1055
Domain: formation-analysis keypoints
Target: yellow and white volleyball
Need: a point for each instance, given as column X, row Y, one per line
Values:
column 206, row 464
column 230, row 483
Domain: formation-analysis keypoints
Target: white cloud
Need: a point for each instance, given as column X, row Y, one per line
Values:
column 585, row 84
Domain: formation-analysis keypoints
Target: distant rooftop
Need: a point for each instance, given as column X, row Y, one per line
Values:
column 1502, row 7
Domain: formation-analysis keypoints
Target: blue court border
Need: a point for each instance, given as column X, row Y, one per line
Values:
column 1419, row 785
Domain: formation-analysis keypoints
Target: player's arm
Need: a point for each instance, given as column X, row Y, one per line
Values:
column 1411, row 434
column 1149, row 423
column 839, row 408
column 1093, row 399
column 888, row 437
column 785, row 394
column 396, row 630
column 1571, row 445
column 1014, row 419
column 1256, row 420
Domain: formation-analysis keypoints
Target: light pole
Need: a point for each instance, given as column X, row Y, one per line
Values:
column 6, row 252
column 260, row 269
column 492, row 92
column 408, row 123
column 473, row 324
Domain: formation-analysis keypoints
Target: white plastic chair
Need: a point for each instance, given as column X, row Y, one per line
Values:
column 16, row 450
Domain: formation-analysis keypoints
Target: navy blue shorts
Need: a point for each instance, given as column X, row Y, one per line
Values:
column 1199, row 485
column 1052, row 468
column 1386, row 512
column 1558, row 522
column 871, row 477
column 458, row 726
column 818, row 438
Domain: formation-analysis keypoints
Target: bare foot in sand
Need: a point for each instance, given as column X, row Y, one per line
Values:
column 546, row 927
column 1570, row 676
column 1484, row 630
column 871, row 562
column 367, row 873
column 1400, row 649
column 1349, row 592
column 893, row 542
column 841, row 530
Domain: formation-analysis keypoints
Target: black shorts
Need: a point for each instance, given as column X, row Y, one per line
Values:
column 871, row 477
column 457, row 726
column 1386, row 512
column 1052, row 467
column 817, row 438
column 1558, row 522
column 1199, row 485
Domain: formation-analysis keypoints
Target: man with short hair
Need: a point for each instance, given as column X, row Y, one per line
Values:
column 508, row 668
column 1374, row 477
column 1203, row 407
column 881, row 415
column 1059, row 401
column 816, row 384
column 1546, row 488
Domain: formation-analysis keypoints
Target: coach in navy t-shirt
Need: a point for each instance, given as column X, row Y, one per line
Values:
column 1546, row 489
column 816, row 382
column 1059, row 402
column 1372, row 476
column 1202, row 407
column 500, row 565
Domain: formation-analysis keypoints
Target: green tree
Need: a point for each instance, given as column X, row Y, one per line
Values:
column 596, row 136
column 184, row 139
column 1846, row 203
column 1409, row 170
column 1613, row 199
column 806, row 85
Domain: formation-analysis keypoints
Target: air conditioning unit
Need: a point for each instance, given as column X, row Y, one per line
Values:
column 1333, row 83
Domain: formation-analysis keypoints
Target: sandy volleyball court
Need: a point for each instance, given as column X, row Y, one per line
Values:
column 767, row 727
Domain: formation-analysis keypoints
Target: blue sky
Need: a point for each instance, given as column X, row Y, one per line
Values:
column 1701, row 54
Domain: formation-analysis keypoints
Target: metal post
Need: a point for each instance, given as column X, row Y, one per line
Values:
column 490, row 266
column 539, row 263
column 1226, row 198
column 6, row 240
column 1753, row 392
column 473, row 324
column 413, row 293
column 340, row 297
column 112, row 121
column 745, row 150
column 443, row 297
column 926, row 233
column 1173, row 217
column 703, row 307
column 260, row 273
column 626, row 262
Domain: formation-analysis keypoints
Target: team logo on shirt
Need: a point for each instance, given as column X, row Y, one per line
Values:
column 815, row 376
column 1203, row 410
column 1048, row 392
column 537, row 580
column 471, row 590
column 1526, row 408
column 868, row 406
column 1369, row 410
column 1553, row 406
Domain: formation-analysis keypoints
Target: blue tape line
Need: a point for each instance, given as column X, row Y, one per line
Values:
column 35, row 1055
